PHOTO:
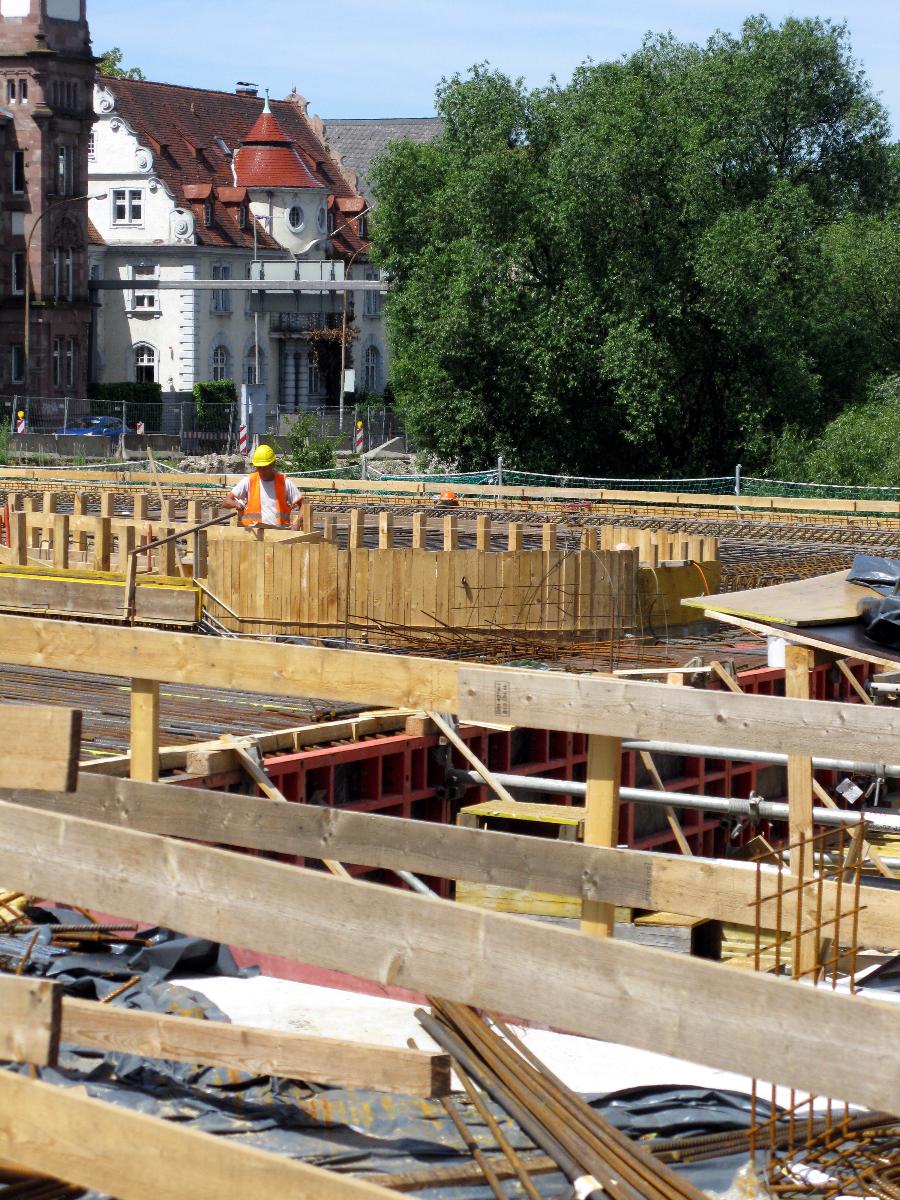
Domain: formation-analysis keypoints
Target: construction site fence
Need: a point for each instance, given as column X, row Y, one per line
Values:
column 381, row 426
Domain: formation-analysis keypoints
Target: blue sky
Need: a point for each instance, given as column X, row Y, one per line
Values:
column 382, row 58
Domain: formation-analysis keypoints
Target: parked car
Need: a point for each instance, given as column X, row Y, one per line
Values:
column 96, row 427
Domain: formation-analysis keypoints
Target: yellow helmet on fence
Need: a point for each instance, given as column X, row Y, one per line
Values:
column 263, row 456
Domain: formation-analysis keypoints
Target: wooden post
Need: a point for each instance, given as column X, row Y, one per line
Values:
column 127, row 541
column 35, row 504
column 145, row 730
column 327, row 527
column 141, row 507
column 589, row 539
column 357, row 532
column 102, row 543
column 601, row 820
column 18, row 538
column 419, row 531
column 307, row 516
column 167, row 563
column 61, row 541
column 515, row 536
column 483, row 534
column 194, row 512
column 106, row 504
column 79, row 509
column 385, row 530
column 201, row 547
column 451, row 533
column 798, row 661
column 548, row 537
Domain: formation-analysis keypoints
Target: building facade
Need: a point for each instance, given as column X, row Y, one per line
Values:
column 223, row 186
column 46, row 89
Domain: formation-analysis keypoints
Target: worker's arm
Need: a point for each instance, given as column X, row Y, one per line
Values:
column 232, row 501
column 238, row 496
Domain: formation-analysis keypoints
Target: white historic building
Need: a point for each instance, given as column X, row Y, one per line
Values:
column 191, row 184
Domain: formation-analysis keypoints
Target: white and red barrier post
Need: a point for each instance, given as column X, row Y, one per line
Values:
column 242, row 439
column 20, row 422
column 358, row 440
column 139, row 428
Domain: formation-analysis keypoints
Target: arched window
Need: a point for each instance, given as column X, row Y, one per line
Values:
column 144, row 364
column 220, row 368
column 373, row 369
column 251, row 374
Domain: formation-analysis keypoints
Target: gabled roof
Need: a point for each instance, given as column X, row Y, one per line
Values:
column 181, row 125
column 358, row 141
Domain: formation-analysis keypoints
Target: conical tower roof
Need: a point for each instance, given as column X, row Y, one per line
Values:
column 268, row 158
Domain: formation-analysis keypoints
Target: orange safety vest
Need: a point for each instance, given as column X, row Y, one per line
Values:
column 252, row 514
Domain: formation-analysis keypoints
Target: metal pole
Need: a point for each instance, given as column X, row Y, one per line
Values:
column 727, row 806
column 500, row 470
column 737, row 480
column 848, row 766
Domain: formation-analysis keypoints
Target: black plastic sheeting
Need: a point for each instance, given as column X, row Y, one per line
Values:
column 880, row 618
column 349, row 1130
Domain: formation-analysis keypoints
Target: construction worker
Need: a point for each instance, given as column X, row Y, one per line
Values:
column 265, row 496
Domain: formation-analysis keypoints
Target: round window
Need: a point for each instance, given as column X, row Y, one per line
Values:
column 295, row 218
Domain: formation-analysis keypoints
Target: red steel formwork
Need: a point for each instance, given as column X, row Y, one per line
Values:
column 404, row 774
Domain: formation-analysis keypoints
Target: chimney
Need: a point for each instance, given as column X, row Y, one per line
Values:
column 246, row 89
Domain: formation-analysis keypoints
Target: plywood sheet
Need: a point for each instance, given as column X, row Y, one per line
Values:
column 822, row 600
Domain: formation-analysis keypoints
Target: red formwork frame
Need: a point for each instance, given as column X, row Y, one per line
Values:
column 405, row 774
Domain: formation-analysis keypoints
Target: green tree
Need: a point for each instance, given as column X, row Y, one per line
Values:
column 307, row 452
column 632, row 273
column 110, row 66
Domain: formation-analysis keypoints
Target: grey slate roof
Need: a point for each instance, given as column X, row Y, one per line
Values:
column 359, row 140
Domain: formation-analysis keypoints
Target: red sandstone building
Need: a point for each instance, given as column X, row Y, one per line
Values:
column 46, row 92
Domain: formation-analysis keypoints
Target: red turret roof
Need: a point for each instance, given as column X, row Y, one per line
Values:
column 268, row 158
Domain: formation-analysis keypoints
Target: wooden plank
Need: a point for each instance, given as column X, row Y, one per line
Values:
column 30, row 1014
column 820, row 600
column 145, row 730
column 62, row 1132
column 102, row 542
column 601, row 822
column 508, row 695
column 61, row 541
column 597, row 987
column 723, row 890
column 816, row 638
column 41, row 745
column 330, row 1061
column 798, row 662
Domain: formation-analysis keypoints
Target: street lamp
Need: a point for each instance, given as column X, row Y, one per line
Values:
column 48, row 209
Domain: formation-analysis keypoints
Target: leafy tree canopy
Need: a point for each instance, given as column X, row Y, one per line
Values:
column 110, row 66
column 646, row 269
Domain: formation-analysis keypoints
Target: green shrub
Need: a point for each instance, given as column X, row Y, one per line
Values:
column 307, row 452
column 215, row 401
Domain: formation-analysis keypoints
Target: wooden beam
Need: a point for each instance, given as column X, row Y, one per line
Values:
column 537, row 699
column 145, row 730
column 62, row 1132
column 598, row 987
column 798, row 662
column 330, row 1061
column 29, row 1020
column 41, row 745
column 668, row 883
column 601, row 821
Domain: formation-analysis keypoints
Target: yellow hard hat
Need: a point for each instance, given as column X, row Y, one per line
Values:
column 263, row 456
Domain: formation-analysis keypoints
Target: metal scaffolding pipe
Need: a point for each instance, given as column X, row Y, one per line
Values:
column 726, row 806
column 848, row 766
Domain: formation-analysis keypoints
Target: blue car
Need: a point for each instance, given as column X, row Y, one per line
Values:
column 96, row 427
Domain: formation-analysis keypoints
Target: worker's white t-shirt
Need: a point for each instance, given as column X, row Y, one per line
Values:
column 267, row 497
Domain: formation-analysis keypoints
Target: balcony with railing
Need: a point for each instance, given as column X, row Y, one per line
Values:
column 300, row 323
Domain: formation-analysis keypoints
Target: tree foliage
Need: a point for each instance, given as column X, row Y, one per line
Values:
column 110, row 66
column 645, row 269
column 307, row 451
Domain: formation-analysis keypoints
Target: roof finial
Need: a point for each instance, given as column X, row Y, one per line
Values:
column 267, row 109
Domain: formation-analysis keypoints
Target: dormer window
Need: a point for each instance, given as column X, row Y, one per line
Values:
column 207, row 213
column 362, row 226
column 242, row 217
column 296, row 218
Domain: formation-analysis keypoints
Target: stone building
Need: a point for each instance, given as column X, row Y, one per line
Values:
column 46, row 89
column 216, row 185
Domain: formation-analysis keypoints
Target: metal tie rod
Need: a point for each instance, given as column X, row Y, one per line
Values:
column 848, row 766
column 728, row 806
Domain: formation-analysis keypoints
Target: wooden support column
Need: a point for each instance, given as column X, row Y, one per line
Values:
column 35, row 504
column 145, row 730
column 327, row 527
column 483, row 534
column 385, row 530
column 798, row 662
column 589, row 539
column 601, row 820
column 141, row 507
column 79, row 509
column 167, row 561
column 419, row 531
column 451, row 534
column 356, row 534
column 515, row 536
column 61, row 541
column 548, row 537
column 18, row 538
column 102, row 543
column 194, row 512
column 106, row 504
column 127, row 541
column 307, row 516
